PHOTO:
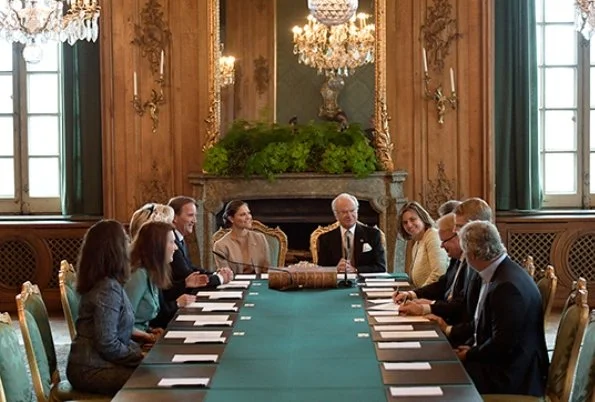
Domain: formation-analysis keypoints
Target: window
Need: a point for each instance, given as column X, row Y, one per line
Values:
column 30, row 130
column 566, row 107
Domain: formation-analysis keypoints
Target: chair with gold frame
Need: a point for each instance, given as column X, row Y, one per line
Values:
column 276, row 239
column 39, row 345
column 573, row 322
column 320, row 230
column 529, row 266
column 14, row 381
column 583, row 387
column 68, row 295
column 547, row 288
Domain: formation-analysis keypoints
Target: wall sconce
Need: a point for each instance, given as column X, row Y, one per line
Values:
column 226, row 70
column 157, row 98
column 437, row 95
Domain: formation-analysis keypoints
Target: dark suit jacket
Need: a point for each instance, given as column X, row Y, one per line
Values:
column 451, row 310
column 181, row 267
column 462, row 332
column 330, row 249
column 511, row 353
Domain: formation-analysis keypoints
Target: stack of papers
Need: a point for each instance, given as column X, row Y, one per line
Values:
column 399, row 345
column 378, row 293
column 399, row 319
column 220, row 295
column 383, row 301
column 184, row 358
column 393, row 327
column 416, row 391
column 407, row 366
column 383, row 313
column 235, row 285
column 386, row 307
column 172, row 382
column 385, row 283
column 213, row 306
column 408, row 334
column 202, row 320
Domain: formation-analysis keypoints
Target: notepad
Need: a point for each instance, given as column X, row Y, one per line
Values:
column 172, row 382
column 235, row 285
column 220, row 295
column 398, row 319
column 205, row 340
column 416, row 391
column 399, row 345
column 183, row 358
column 393, row 327
column 407, row 366
column 408, row 334
column 245, row 276
column 193, row 334
column 213, row 306
column 194, row 317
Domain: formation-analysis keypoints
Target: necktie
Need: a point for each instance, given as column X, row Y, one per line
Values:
column 348, row 250
column 451, row 290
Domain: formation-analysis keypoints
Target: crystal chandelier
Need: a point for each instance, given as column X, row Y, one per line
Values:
column 226, row 70
column 585, row 17
column 332, row 12
column 335, row 50
column 31, row 22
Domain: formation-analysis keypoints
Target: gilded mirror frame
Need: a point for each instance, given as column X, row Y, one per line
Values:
column 382, row 140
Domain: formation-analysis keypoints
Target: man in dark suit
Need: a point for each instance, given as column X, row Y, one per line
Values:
column 508, row 354
column 186, row 278
column 352, row 247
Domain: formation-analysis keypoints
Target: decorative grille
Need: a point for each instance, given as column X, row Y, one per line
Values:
column 62, row 249
column 17, row 263
column 581, row 257
column 537, row 245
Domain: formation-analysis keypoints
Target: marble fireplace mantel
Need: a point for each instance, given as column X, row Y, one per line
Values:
column 384, row 192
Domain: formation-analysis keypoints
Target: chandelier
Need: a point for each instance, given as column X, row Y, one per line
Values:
column 585, row 17
column 226, row 70
column 31, row 22
column 332, row 12
column 335, row 50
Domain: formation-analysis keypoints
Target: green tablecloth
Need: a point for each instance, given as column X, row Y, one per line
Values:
column 299, row 346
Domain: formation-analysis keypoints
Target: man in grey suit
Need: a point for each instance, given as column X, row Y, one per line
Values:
column 351, row 247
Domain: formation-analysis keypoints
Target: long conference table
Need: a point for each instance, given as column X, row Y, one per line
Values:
column 252, row 343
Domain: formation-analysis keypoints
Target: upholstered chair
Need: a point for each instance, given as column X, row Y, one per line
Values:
column 573, row 322
column 583, row 387
column 547, row 288
column 276, row 239
column 14, row 381
column 39, row 345
column 68, row 295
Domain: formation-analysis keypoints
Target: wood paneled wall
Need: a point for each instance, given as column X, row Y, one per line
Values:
column 144, row 166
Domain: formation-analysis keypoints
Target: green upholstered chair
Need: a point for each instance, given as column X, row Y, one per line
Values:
column 547, row 288
column 583, row 387
column 14, row 381
column 68, row 295
column 276, row 239
column 39, row 345
column 573, row 322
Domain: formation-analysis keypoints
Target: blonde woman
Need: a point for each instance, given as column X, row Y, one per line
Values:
column 150, row 213
column 428, row 259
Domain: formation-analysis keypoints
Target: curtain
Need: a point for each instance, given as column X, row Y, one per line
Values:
column 516, row 106
column 81, row 148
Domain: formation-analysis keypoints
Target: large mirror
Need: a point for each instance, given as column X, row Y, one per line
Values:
column 269, row 82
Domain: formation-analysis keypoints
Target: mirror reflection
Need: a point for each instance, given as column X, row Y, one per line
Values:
column 270, row 83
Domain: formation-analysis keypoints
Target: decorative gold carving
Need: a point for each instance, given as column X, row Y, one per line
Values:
column 154, row 189
column 438, row 191
column 213, row 120
column 261, row 74
column 439, row 31
column 5, row 318
column 153, row 35
column 29, row 289
column 212, row 126
column 152, row 105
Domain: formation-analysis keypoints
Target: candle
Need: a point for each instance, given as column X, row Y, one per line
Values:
column 162, row 60
column 135, row 85
column 452, row 80
column 425, row 60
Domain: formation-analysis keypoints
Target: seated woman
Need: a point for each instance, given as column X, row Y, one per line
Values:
column 245, row 250
column 150, row 213
column 152, row 251
column 103, row 355
column 428, row 260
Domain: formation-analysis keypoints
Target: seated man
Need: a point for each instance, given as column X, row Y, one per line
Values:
column 352, row 247
column 444, row 297
column 186, row 278
column 508, row 354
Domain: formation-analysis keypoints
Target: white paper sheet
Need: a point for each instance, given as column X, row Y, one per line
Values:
column 383, row 301
column 384, row 285
column 213, row 306
column 374, row 290
column 193, row 334
column 218, row 323
column 369, row 280
column 170, row 382
column 245, row 276
column 416, row 391
column 383, row 313
column 205, row 340
column 264, row 276
column 235, row 285
column 194, row 317
column 374, row 274
column 386, row 307
column 399, row 319
column 408, row 366
column 408, row 334
column 383, row 294
column 399, row 345
column 393, row 327
column 220, row 295
column 392, row 284
column 182, row 358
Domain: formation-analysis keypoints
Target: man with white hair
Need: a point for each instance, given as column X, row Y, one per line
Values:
column 353, row 246
column 508, row 354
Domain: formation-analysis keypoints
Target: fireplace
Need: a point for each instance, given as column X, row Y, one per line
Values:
column 298, row 203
